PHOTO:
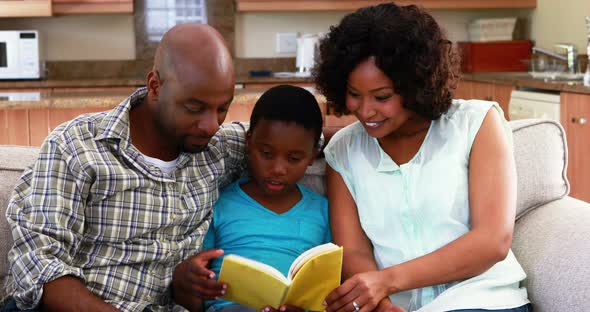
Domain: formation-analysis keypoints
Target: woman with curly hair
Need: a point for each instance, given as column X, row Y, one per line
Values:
column 422, row 188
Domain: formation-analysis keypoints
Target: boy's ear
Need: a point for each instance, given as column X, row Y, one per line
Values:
column 315, row 154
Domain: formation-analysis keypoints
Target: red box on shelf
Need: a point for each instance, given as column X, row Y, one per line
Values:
column 495, row 56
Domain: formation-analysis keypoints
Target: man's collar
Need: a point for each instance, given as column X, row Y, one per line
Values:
column 115, row 125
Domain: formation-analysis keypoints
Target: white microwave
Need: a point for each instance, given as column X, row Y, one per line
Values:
column 19, row 54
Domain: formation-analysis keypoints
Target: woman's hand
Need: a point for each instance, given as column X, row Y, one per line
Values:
column 283, row 308
column 362, row 292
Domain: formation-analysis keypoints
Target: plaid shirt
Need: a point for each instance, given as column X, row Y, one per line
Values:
column 91, row 207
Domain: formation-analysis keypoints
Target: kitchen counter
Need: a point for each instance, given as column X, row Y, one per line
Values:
column 127, row 82
column 102, row 96
column 524, row 80
column 100, row 99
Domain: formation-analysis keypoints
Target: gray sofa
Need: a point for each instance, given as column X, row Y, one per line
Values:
column 552, row 233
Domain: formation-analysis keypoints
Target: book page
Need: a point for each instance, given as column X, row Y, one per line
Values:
column 299, row 261
column 252, row 283
column 261, row 266
column 315, row 279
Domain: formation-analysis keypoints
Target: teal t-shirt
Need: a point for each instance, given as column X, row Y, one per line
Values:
column 243, row 227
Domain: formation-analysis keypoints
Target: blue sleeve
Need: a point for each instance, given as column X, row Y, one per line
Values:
column 209, row 241
column 328, row 235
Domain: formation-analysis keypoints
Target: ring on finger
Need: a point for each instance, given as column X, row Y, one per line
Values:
column 356, row 306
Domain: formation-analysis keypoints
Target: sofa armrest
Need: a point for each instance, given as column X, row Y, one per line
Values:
column 552, row 243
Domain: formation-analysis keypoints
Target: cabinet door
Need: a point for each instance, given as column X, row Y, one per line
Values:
column 25, row 8
column 38, row 126
column 502, row 96
column 575, row 117
column 92, row 6
column 482, row 91
column 464, row 90
column 57, row 116
column 347, row 5
column 14, row 127
column 265, row 86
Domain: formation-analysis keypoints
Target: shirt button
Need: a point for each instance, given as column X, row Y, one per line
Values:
column 173, row 216
column 170, row 254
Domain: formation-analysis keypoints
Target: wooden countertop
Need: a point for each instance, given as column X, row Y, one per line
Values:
column 54, row 98
column 524, row 80
column 126, row 82
column 106, row 99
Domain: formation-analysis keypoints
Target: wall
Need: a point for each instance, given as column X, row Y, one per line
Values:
column 111, row 37
column 82, row 37
column 255, row 32
column 560, row 22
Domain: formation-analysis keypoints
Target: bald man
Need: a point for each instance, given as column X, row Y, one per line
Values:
column 111, row 215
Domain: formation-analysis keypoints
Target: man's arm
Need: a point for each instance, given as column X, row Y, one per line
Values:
column 58, row 295
column 233, row 136
column 46, row 214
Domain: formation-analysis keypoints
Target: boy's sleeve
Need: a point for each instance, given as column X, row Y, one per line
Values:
column 209, row 241
column 328, row 231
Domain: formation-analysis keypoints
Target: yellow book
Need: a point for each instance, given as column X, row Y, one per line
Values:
column 312, row 276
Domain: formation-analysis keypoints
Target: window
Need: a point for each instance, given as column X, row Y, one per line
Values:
column 161, row 15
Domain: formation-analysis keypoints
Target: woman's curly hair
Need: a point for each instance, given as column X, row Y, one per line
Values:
column 408, row 46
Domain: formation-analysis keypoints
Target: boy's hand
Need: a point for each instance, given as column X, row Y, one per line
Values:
column 193, row 282
column 282, row 308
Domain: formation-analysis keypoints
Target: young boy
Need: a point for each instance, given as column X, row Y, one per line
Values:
column 269, row 217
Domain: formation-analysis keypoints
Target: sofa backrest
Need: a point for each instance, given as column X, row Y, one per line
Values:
column 539, row 147
column 540, row 152
column 13, row 160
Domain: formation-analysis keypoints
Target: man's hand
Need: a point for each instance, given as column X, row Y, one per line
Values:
column 68, row 293
column 193, row 282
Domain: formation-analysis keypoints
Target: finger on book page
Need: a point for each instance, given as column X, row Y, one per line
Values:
column 290, row 308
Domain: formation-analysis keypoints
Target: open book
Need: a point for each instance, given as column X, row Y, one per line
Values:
column 312, row 276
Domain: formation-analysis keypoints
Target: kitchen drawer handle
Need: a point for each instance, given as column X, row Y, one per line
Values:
column 580, row 120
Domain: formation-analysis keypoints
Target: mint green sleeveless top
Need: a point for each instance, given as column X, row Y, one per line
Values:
column 413, row 209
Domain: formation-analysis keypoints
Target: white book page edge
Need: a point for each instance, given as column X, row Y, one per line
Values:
column 263, row 266
column 299, row 261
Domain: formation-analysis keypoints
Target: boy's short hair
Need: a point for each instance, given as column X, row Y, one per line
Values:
column 290, row 104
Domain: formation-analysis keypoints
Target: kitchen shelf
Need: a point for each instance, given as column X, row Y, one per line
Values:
column 347, row 5
column 65, row 7
column 26, row 8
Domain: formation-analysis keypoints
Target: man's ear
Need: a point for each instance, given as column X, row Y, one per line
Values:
column 248, row 138
column 153, row 83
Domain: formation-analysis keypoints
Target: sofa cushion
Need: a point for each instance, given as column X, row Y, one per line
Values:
column 540, row 151
column 551, row 243
column 13, row 160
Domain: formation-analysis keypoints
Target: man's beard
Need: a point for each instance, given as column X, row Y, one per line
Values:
column 193, row 148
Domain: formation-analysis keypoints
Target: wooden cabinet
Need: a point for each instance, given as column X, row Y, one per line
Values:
column 34, row 8
column 25, row 8
column 31, row 125
column 575, row 118
column 485, row 91
column 63, row 7
column 264, row 86
column 349, row 5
